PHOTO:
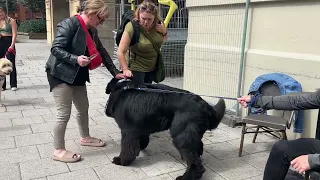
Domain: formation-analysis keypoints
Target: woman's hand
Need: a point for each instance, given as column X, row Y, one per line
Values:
column 127, row 73
column 244, row 100
column 11, row 47
column 83, row 61
column 120, row 76
column 161, row 28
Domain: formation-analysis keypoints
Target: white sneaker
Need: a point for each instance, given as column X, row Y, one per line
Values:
column 14, row 89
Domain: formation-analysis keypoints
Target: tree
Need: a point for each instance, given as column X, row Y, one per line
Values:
column 35, row 6
column 12, row 5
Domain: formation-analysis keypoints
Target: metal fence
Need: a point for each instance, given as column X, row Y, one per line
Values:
column 215, row 51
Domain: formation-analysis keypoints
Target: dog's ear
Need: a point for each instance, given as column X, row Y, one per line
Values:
column 111, row 85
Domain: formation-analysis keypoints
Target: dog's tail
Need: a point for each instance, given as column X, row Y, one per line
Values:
column 218, row 113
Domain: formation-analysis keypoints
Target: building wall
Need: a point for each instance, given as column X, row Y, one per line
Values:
column 24, row 13
column 56, row 11
column 59, row 9
column 282, row 37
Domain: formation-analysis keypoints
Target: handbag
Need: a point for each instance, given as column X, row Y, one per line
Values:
column 160, row 73
column 92, row 49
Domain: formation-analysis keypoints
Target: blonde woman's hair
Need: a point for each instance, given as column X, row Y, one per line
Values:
column 98, row 7
column 150, row 7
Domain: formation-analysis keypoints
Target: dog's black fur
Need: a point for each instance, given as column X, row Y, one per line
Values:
column 140, row 113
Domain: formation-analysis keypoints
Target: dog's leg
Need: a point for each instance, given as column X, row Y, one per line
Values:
column 188, row 143
column 130, row 148
column 144, row 141
column 200, row 149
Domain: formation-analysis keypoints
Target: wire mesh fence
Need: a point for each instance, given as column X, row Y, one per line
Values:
column 214, row 51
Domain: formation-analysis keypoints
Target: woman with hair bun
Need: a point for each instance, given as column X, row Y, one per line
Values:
column 68, row 71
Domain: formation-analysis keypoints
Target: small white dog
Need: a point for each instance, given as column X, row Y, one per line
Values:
column 5, row 69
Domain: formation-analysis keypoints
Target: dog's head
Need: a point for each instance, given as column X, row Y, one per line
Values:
column 5, row 66
column 116, row 84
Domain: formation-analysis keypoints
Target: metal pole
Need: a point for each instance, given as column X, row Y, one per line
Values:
column 7, row 6
column 243, row 48
column 121, row 9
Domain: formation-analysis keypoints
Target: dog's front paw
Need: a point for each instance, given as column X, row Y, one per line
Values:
column 116, row 160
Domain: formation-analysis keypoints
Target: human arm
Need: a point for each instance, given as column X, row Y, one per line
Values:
column 314, row 161
column 65, row 33
column 123, row 49
column 106, row 59
column 284, row 102
column 14, row 32
column 162, row 30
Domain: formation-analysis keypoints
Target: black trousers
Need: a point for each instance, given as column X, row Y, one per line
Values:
column 283, row 152
column 142, row 77
column 5, row 43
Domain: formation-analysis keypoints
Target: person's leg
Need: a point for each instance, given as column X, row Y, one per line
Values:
column 13, row 74
column 4, row 45
column 62, row 94
column 81, row 102
column 283, row 152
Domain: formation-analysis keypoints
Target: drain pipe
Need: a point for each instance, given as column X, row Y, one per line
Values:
column 244, row 38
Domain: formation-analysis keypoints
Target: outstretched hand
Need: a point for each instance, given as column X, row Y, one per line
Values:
column 244, row 100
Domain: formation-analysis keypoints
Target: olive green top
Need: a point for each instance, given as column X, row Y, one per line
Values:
column 7, row 29
column 143, row 56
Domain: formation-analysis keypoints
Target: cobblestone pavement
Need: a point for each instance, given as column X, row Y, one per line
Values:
column 26, row 136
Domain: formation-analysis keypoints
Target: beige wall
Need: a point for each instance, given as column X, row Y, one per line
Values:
column 57, row 10
column 282, row 37
column 105, row 31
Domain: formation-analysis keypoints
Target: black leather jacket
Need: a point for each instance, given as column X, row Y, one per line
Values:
column 70, row 42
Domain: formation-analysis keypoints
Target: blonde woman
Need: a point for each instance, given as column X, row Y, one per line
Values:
column 8, row 35
column 143, row 56
column 68, row 71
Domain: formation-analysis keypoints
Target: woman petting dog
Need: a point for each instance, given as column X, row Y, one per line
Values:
column 302, row 154
column 8, row 35
column 143, row 56
column 75, row 50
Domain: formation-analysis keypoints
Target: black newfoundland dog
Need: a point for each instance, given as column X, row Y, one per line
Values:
column 140, row 113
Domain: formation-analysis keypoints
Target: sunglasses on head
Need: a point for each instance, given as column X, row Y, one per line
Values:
column 147, row 7
column 101, row 20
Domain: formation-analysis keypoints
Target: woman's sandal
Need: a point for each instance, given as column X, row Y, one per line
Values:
column 67, row 156
column 94, row 142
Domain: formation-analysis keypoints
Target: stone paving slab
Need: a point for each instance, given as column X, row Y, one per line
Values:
column 28, row 119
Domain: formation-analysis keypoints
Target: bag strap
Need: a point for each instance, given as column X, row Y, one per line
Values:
column 152, row 41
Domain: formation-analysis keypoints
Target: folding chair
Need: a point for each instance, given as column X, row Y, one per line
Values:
column 262, row 123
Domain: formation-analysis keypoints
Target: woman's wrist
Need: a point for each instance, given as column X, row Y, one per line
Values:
column 125, row 68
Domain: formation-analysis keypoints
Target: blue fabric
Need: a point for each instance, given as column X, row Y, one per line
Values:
column 286, row 85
